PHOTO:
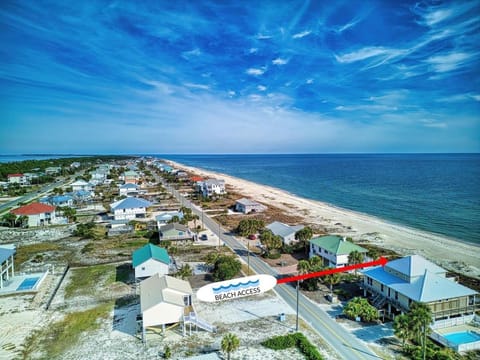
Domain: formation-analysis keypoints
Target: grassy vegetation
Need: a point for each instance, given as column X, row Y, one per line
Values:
column 85, row 280
column 64, row 334
column 25, row 252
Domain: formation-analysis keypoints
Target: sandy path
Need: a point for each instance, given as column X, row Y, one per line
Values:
column 449, row 253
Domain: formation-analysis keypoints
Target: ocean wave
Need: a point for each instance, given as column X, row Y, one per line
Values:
column 240, row 285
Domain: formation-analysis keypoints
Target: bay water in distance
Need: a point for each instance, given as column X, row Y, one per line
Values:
column 439, row 193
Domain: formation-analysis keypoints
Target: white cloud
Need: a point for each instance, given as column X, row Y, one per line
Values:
column 261, row 87
column 459, row 98
column 310, row 81
column 192, row 53
column 263, row 37
column 368, row 52
column 253, row 50
column 448, row 62
column 231, row 93
column 437, row 16
column 279, row 61
column 301, row 34
column 255, row 71
column 433, row 124
column 197, row 86
column 347, row 26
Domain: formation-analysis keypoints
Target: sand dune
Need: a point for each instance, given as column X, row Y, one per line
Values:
column 450, row 253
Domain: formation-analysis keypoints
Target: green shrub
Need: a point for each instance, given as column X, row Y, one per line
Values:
column 299, row 340
column 280, row 342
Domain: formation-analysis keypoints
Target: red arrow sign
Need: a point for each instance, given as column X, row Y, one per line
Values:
column 381, row 261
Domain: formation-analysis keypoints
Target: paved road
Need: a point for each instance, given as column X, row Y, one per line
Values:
column 343, row 342
column 29, row 196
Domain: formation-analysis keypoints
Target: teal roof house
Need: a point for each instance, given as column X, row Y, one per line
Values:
column 334, row 250
column 150, row 260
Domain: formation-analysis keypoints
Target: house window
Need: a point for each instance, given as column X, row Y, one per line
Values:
column 143, row 267
column 381, row 288
column 396, row 295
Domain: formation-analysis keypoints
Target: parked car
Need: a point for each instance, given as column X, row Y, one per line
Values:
column 204, row 237
column 252, row 237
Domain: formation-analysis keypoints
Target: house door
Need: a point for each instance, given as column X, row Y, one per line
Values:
column 187, row 300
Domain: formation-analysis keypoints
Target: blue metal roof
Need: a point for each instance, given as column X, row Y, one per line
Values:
column 378, row 273
column 426, row 288
column 131, row 203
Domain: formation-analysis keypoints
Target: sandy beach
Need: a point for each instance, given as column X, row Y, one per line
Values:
column 448, row 253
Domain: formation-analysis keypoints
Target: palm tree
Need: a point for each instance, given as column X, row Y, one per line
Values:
column 420, row 318
column 303, row 267
column 195, row 217
column 401, row 327
column 304, row 235
column 332, row 279
column 184, row 272
column 355, row 257
column 316, row 263
column 230, row 343
column 270, row 241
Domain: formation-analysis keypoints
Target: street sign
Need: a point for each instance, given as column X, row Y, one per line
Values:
column 236, row 288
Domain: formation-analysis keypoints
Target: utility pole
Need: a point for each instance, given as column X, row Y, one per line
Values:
column 298, row 288
column 219, row 231
column 248, row 256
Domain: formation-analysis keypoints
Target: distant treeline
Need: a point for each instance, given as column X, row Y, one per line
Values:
column 26, row 166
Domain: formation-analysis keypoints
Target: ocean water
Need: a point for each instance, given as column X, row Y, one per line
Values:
column 439, row 193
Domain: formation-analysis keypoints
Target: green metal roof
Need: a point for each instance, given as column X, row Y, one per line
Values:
column 336, row 245
column 150, row 251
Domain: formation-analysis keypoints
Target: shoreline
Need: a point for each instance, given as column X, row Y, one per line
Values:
column 452, row 254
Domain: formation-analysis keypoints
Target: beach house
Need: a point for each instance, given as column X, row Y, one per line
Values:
column 211, row 187
column 59, row 200
column 175, row 232
column 286, row 232
column 128, row 189
column 164, row 217
column 53, row 170
column 334, row 250
column 20, row 179
column 81, row 185
column 130, row 208
column 131, row 177
column 38, row 214
column 414, row 279
column 167, row 300
column 248, row 206
column 164, row 300
column 150, row 260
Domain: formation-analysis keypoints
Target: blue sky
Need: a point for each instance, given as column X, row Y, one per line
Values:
column 239, row 76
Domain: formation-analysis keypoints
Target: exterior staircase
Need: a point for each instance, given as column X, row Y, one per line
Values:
column 378, row 301
column 192, row 318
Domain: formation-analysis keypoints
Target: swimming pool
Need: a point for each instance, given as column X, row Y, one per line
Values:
column 463, row 337
column 28, row 283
